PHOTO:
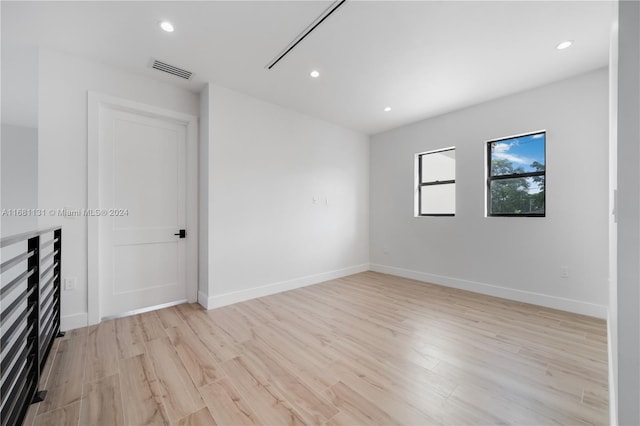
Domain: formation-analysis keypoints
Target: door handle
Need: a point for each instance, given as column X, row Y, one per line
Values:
column 182, row 233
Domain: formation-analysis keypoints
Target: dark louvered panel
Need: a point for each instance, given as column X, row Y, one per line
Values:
column 170, row 69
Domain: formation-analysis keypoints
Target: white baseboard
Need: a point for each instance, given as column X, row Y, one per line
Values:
column 203, row 299
column 220, row 300
column 561, row 303
column 613, row 401
column 70, row 322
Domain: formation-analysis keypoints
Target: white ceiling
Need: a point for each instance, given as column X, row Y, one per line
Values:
column 422, row 58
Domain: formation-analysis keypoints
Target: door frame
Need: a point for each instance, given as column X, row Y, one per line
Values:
column 97, row 103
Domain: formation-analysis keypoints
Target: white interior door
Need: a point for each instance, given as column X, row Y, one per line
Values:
column 143, row 189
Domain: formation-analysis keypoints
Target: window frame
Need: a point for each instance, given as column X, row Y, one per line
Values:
column 431, row 183
column 491, row 178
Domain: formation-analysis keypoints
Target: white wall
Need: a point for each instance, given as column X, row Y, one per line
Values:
column 19, row 86
column 628, row 179
column 19, row 177
column 266, row 165
column 612, row 315
column 64, row 81
column 19, row 136
column 205, row 239
column 518, row 258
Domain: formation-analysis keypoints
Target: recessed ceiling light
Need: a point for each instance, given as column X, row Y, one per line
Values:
column 387, row 109
column 167, row 26
column 564, row 45
column 314, row 74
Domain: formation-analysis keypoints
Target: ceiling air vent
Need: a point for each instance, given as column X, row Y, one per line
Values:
column 170, row 69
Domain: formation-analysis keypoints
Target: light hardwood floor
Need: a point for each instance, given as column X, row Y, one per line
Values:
column 365, row 349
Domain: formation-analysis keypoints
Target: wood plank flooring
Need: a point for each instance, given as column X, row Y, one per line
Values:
column 365, row 349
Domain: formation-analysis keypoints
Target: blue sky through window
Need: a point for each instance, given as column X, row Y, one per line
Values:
column 522, row 151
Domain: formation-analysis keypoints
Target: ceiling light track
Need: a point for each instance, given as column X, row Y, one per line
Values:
column 319, row 20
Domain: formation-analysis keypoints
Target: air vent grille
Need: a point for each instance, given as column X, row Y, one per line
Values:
column 170, row 69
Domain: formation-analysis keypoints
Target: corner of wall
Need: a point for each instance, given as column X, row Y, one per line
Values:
column 203, row 300
column 613, row 401
column 203, row 199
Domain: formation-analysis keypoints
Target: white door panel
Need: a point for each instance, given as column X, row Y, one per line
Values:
column 135, row 267
column 142, row 171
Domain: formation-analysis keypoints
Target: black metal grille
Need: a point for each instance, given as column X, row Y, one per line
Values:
column 29, row 316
